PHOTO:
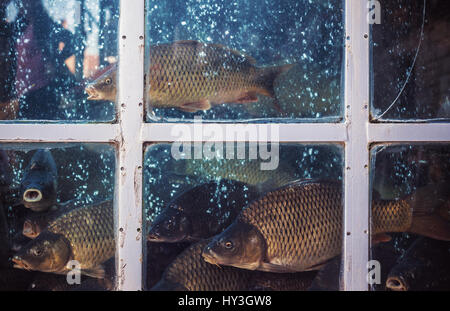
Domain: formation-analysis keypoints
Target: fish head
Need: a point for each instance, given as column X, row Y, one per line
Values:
column 240, row 245
column 39, row 184
column 172, row 225
column 104, row 87
column 38, row 191
column 48, row 252
column 31, row 229
column 397, row 283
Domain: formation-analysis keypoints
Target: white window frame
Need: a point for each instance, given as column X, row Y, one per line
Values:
column 131, row 132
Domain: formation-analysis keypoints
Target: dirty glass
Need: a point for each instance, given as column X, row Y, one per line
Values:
column 244, row 60
column 50, row 51
column 411, row 61
column 60, row 194
column 193, row 192
column 410, row 217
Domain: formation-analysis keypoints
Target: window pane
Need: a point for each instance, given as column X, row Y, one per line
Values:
column 56, row 205
column 50, row 51
column 244, row 60
column 410, row 216
column 411, row 61
column 189, row 202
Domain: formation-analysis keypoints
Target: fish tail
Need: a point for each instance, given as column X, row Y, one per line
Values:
column 266, row 78
column 430, row 212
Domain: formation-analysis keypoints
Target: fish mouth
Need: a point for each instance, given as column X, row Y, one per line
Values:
column 32, row 195
column 155, row 236
column 396, row 284
column 19, row 263
column 210, row 256
column 92, row 93
column 29, row 230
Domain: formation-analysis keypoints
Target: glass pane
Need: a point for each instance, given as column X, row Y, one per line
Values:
column 411, row 61
column 244, row 60
column 286, row 208
column 56, row 217
column 411, row 216
column 50, row 51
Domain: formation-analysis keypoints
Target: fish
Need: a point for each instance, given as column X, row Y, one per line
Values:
column 191, row 76
column 299, row 227
column 189, row 272
column 36, row 222
column 243, row 170
column 159, row 257
column 104, row 86
column 55, row 282
column 201, row 212
column 424, row 266
column 39, row 183
column 84, row 234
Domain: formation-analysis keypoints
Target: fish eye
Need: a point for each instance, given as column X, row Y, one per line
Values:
column 37, row 251
column 228, row 244
column 108, row 81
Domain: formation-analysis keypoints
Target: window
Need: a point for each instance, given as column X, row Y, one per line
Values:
column 339, row 114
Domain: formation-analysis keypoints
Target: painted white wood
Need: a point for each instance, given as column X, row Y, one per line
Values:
column 129, row 171
column 356, row 171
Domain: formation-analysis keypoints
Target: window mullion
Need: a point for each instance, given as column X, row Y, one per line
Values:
column 129, row 171
column 356, row 185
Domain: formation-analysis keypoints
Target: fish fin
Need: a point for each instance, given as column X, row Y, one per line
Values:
column 266, row 78
column 196, row 106
column 428, row 219
column 319, row 266
column 247, row 98
column 96, row 272
column 277, row 106
column 270, row 267
column 381, row 238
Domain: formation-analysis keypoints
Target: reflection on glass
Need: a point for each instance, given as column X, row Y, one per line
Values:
column 244, row 60
column 49, row 51
column 410, row 217
column 56, row 217
column 410, row 61
column 199, row 208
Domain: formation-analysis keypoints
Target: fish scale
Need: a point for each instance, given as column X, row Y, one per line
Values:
column 90, row 232
column 190, row 75
column 397, row 217
column 301, row 226
column 190, row 271
column 190, row 71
